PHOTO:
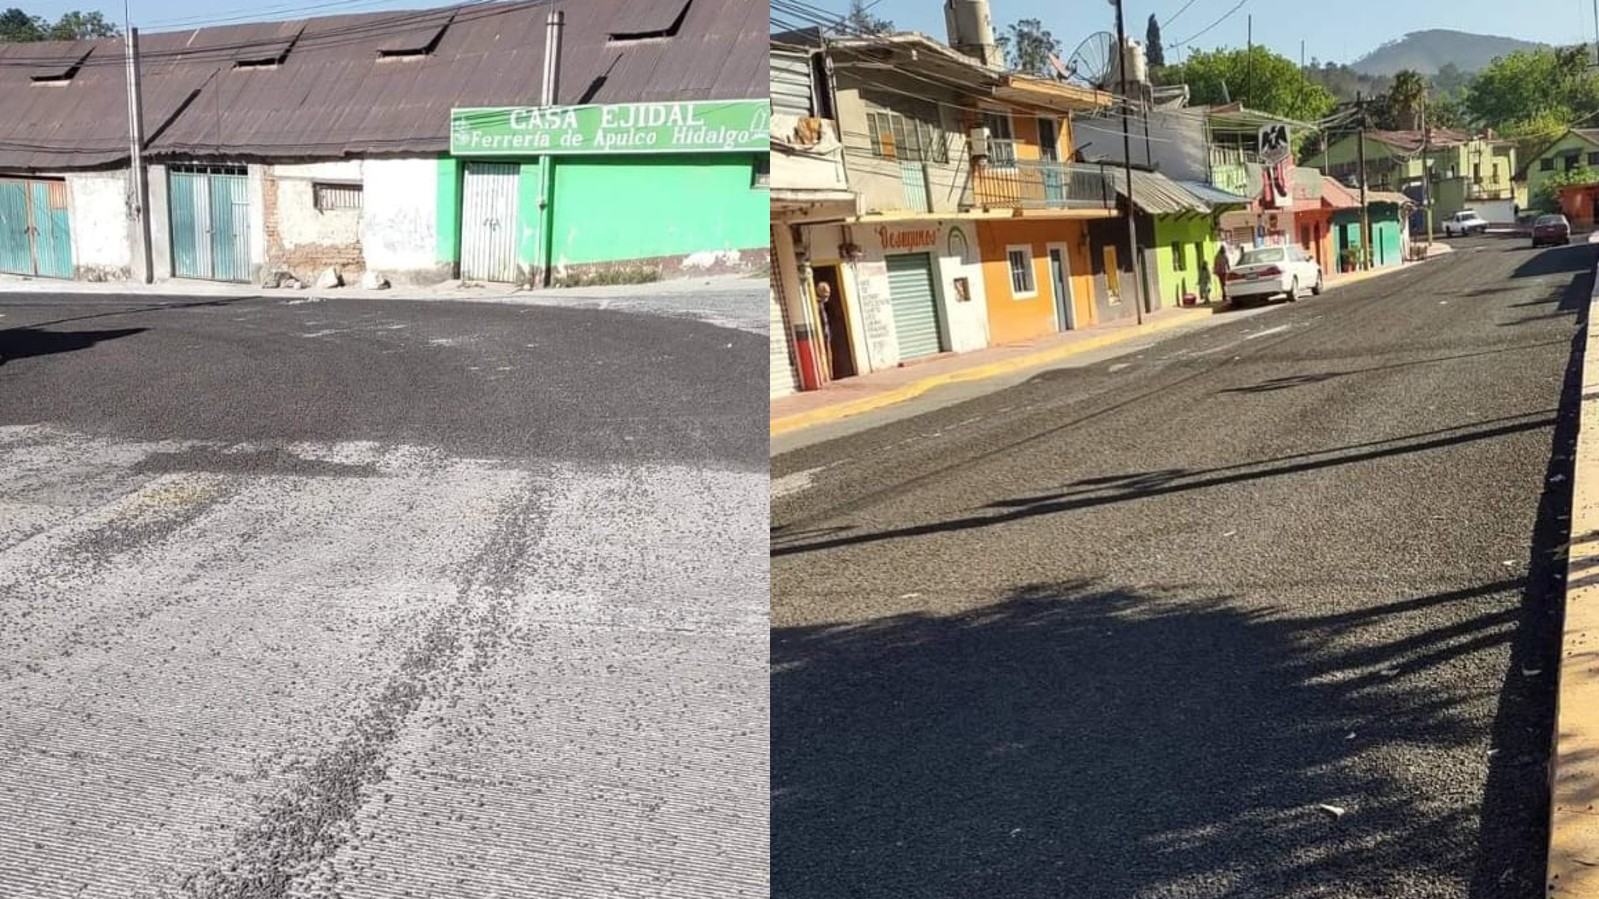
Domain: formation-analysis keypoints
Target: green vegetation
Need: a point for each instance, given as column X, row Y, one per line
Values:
column 1259, row 78
column 1546, row 200
column 17, row 27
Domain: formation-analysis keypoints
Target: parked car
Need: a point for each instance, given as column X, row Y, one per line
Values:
column 1464, row 222
column 1265, row 272
column 1551, row 229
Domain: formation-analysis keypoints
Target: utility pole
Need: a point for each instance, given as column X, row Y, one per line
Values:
column 1596, row 32
column 1426, row 171
column 549, row 93
column 1127, row 163
column 139, row 200
column 1249, row 61
column 1365, row 215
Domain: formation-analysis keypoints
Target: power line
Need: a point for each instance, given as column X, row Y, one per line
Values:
column 1203, row 31
column 1179, row 12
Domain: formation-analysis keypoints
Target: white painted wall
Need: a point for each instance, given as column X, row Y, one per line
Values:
column 399, row 225
column 964, row 323
column 300, row 223
column 101, row 230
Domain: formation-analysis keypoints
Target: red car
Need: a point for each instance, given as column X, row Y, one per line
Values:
column 1551, row 229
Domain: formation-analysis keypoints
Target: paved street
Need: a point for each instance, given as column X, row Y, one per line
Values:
column 1265, row 610
column 360, row 598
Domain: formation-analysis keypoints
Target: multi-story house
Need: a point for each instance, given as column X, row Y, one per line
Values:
column 961, row 219
column 1464, row 170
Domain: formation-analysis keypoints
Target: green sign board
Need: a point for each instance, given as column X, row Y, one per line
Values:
column 710, row 126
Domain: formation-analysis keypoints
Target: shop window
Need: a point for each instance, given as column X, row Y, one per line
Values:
column 328, row 197
column 1021, row 271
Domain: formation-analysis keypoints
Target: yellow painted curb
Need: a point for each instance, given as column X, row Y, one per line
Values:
column 1573, row 868
column 790, row 423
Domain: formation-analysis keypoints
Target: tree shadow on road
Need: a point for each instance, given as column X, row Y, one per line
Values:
column 22, row 343
column 1086, row 740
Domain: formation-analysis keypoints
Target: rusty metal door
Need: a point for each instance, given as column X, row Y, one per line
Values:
column 488, row 222
column 35, row 228
column 210, row 208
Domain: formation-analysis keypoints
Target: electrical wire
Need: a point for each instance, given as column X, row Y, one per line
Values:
column 1203, row 31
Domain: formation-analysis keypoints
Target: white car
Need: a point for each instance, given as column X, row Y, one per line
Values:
column 1269, row 271
column 1464, row 222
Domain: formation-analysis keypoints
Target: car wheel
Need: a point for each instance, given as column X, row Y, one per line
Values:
column 1315, row 291
column 1293, row 291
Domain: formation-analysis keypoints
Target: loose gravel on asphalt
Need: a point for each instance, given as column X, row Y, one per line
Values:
column 1263, row 611
column 363, row 599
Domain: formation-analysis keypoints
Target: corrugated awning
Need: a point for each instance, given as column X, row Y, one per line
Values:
column 1212, row 195
column 1155, row 193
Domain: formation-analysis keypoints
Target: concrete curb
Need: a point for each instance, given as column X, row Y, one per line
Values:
column 788, row 424
column 1573, row 866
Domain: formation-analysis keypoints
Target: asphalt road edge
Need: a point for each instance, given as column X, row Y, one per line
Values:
column 1573, row 861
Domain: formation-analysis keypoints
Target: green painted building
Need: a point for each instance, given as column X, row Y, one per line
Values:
column 1577, row 148
column 612, row 192
column 1467, row 171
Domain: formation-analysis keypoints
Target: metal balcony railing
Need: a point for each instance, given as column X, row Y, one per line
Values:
column 1036, row 184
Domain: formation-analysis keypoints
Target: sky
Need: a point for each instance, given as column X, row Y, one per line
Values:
column 1340, row 31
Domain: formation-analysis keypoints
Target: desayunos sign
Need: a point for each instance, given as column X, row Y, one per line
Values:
column 712, row 126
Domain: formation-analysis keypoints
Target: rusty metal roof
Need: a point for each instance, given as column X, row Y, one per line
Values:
column 1155, row 193
column 370, row 83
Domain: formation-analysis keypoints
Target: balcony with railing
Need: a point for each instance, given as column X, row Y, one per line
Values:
column 1039, row 184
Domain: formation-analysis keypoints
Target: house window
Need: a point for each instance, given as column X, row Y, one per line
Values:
column 762, row 179
column 1021, row 272
column 328, row 197
column 1546, row 165
column 1571, row 161
column 1001, row 142
column 912, row 135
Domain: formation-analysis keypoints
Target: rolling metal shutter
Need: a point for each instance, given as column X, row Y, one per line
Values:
column 791, row 84
column 784, row 379
column 910, row 290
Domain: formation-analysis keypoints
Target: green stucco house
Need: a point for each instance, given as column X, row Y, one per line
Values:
column 1475, row 172
column 1575, row 149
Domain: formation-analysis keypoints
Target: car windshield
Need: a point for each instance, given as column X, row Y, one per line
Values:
column 1256, row 257
column 1549, row 220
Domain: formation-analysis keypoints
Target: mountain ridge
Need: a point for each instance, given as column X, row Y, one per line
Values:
column 1430, row 50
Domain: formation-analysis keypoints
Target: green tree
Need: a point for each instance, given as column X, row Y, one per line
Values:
column 1263, row 80
column 1407, row 97
column 860, row 19
column 17, row 27
column 1027, row 45
column 1448, row 112
column 1550, row 83
column 1157, row 53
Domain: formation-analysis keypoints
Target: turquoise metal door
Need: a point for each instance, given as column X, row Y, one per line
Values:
column 1054, row 177
column 35, row 229
column 52, row 234
column 16, row 243
column 210, row 211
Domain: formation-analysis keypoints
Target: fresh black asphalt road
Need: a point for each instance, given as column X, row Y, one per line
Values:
column 347, row 598
column 1267, row 610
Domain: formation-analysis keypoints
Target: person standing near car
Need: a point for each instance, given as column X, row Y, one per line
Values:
column 1221, row 266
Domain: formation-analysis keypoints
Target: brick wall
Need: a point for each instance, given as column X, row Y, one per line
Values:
column 289, row 208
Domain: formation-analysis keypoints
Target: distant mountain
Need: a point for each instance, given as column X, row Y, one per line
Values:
column 1429, row 51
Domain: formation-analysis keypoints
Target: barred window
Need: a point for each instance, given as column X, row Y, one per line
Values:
column 908, row 135
column 336, row 196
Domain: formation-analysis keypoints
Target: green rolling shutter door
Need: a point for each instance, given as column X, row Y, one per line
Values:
column 910, row 290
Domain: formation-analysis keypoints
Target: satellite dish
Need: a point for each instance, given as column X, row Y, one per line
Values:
column 1094, row 61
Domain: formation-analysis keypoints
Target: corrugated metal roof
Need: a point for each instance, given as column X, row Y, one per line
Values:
column 1213, row 196
column 333, row 95
column 1155, row 193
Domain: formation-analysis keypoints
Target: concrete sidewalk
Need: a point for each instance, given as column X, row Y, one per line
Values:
column 880, row 389
column 732, row 301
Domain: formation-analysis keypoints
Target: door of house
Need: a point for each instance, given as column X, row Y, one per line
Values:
column 35, row 229
column 1060, row 276
column 1054, row 177
column 210, row 209
column 488, row 221
column 915, row 304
